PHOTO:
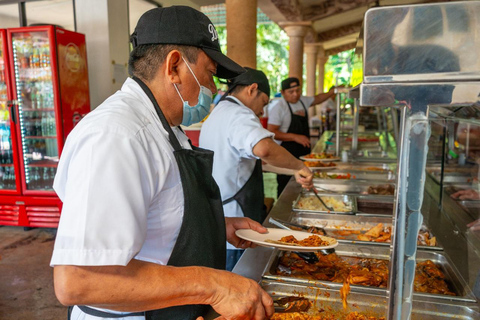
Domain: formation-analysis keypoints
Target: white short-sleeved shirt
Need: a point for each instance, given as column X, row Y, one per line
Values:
column 279, row 113
column 231, row 131
column 120, row 186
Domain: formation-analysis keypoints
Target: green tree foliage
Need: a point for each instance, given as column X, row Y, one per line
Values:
column 272, row 58
column 272, row 53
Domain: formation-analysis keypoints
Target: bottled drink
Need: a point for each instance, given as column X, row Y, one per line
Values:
column 46, row 179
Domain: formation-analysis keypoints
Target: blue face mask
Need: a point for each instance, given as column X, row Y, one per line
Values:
column 196, row 113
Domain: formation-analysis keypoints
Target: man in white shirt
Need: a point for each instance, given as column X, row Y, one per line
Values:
column 288, row 120
column 142, row 232
column 240, row 144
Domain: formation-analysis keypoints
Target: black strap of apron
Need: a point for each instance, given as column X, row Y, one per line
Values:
column 290, row 108
column 101, row 314
column 173, row 139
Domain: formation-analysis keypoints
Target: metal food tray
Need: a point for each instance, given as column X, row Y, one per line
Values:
column 453, row 278
column 332, row 224
column 347, row 199
column 364, row 166
column 329, row 300
column 358, row 175
column 375, row 205
column 350, row 187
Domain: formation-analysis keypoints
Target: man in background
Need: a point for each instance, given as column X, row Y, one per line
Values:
column 240, row 144
column 288, row 120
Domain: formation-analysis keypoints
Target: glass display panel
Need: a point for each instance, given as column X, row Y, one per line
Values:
column 35, row 95
column 7, row 170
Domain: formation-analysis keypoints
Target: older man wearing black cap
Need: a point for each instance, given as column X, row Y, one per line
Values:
column 288, row 120
column 240, row 143
column 142, row 232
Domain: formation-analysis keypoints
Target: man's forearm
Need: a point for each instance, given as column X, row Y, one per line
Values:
column 139, row 286
column 276, row 155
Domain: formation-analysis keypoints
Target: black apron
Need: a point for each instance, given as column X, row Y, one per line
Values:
column 298, row 125
column 202, row 238
column 251, row 197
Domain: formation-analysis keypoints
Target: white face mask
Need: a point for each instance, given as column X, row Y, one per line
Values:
column 196, row 113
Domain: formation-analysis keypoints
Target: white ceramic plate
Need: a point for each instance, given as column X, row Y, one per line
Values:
column 313, row 159
column 277, row 234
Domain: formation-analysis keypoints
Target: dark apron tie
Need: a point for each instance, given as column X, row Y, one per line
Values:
column 298, row 125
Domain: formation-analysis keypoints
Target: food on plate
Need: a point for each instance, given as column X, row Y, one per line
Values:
column 321, row 155
column 384, row 190
column 312, row 203
column 311, row 241
column 319, row 164
column 325, row 175
column 372, row 272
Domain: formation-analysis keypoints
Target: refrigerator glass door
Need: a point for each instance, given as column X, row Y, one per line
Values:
column 7, row 169
column 36, row 112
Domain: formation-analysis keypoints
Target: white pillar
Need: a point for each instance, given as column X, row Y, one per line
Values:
column 105, row 25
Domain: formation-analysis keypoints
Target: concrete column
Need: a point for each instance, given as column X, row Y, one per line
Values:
column 311, row 53
column 104, row 23
column 242, row 31
column 321, row 60
column 296, row 32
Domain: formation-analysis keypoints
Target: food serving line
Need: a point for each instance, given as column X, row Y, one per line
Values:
column 431, row 274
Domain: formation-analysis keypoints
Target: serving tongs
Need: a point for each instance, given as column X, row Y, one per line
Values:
column 294, row 226
column 318, row 197
column 292, row 304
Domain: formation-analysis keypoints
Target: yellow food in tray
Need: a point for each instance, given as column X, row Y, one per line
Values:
column 312, row 203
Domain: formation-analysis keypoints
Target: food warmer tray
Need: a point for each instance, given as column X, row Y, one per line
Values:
column 334, row 223
column 348, row 200
column 370, row 205
column 350, row 187
column 328, row 300
column 384, row 177
column 453, row 278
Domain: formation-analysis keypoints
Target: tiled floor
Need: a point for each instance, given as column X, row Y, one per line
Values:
column 26, row 279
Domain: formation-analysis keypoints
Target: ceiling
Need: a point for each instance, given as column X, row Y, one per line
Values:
column 336, row 24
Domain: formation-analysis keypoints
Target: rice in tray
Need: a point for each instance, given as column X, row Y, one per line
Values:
column 312, row 203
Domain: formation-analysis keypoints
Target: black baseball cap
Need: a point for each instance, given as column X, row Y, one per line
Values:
column 184, row 25
column 290, row 83
column 250, row 77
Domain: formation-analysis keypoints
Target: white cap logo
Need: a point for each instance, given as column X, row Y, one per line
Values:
column 212, row 30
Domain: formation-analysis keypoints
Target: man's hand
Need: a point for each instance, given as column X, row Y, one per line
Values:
column 304, row 177
column 236, row 297
column 303, row 140
column 475, row 225
column 233, row 224
column 466, row 195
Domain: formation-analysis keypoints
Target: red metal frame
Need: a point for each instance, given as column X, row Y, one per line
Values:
column 41, row 208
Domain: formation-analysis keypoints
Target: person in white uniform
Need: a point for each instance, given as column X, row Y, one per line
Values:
column 240, row 144
column 142, row 232
column 288, row 120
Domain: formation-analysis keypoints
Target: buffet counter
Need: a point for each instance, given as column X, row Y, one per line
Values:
column 263, row 264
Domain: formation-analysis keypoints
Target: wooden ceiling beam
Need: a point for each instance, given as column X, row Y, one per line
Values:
column 290, row 9
column 332, row 51
column 332, row 7
column 339, row 32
